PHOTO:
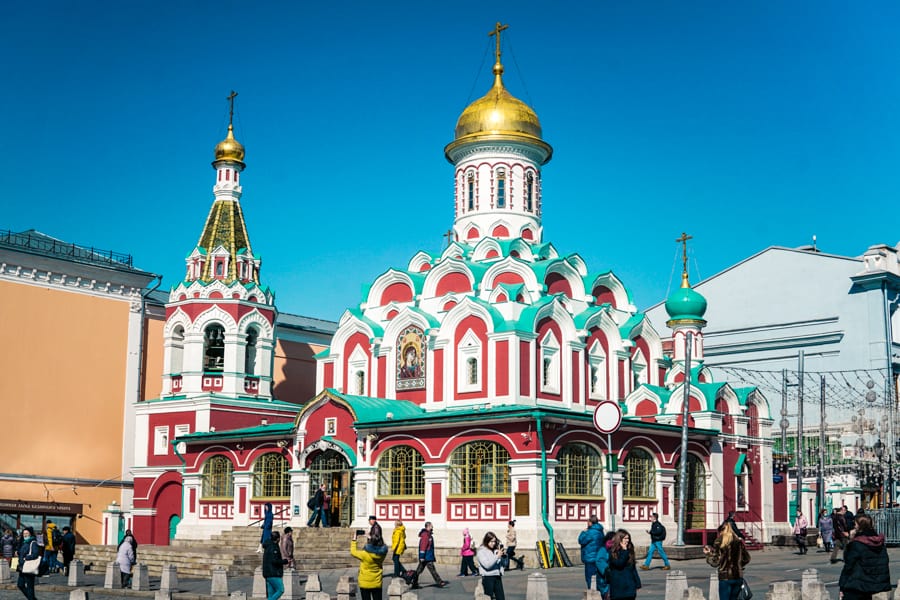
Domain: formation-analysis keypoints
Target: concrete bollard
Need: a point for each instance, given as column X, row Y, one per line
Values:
column 292, row 586
column 5, row 571
column 536, row 588
column 168, row 580
column 259, row 584
column 76, row 573
column 676, row 585
column 238, row 596
column 78, row 594
column 162, row 595
column 784, row 590
column 313, row 583
column 219, row 585
column 397, row 588
column 808, row 578
column 140, row 578
column 346, row 587
column 714, row 585
column 693, row 593
column 409, row 596
column 112, row 581
column 317, row 596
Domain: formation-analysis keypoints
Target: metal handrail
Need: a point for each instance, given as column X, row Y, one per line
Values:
column 48, row 245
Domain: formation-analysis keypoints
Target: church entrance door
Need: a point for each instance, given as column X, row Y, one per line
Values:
column 332, row 469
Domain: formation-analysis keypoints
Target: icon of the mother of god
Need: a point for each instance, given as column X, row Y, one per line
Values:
column 410, row 368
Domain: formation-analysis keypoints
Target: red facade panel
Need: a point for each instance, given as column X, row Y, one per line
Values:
column 524, row 369
column 502, row 352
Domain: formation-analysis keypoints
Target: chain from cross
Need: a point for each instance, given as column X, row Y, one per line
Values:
column 496, row 32
column 230, row 99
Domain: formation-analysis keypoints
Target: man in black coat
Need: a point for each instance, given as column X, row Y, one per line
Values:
column 841, row 535
column 866, row 564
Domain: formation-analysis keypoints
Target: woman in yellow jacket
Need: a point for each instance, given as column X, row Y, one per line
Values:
column 398, row 546
column 371, row 561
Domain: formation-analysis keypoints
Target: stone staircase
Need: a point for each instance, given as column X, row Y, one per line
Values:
column 235, row 550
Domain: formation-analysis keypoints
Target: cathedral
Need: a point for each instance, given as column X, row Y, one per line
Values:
column 461, row 389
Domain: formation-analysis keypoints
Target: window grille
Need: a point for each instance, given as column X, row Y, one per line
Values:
column 270, row 477
column 479, row 468
column 214, row 348
column 400, row 472
column 579, row 471
column 640, row 475
column 218, row 478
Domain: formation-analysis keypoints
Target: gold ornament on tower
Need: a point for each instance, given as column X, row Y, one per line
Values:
column 230, row 148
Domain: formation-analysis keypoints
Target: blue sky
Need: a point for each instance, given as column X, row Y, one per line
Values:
column 745, row 124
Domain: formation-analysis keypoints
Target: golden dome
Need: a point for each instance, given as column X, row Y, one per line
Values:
column 230, row 148
column 498, row 115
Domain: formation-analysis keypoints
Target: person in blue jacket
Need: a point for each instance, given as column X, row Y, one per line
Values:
column 594, row 555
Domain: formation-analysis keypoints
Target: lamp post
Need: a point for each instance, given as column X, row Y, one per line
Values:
column 879, row 452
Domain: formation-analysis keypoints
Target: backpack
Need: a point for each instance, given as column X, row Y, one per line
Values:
column 311, row 503
column 56, row 538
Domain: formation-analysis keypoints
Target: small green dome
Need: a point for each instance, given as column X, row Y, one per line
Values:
column 686, row 304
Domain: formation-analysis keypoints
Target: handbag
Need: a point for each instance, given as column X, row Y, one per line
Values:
column 744, row 593
column 803, row 531
column 31, row 567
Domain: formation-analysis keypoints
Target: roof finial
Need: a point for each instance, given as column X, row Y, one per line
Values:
column 498, row 68
column 683, row 240
column 230, row 99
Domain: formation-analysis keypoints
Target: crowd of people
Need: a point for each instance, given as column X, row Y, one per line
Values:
column 41, row 550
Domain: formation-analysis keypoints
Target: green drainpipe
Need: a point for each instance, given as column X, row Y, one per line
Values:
column 551, row 550
column 183, row 465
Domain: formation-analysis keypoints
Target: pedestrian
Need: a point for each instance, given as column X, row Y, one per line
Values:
column 490, row 566
column 624, row 581
column 800, row 529
column 267, row 523
column 374, row 527
column 849, row 519
column 841, row 534
column 371, row 566
column 657, row 533
column 426, row 556
column 287, row 546
column 866, row 564
column 398, row 546
column 826, row 529
column 273, row 567
column 126, row 556
column 467, row 555
column 729, row 556
column 511, row 547
column 326, row 509
column 28, row 550
column 52, row 544
column 315, row 505
column 594, row 555
column 68, row 548
column 8, row 544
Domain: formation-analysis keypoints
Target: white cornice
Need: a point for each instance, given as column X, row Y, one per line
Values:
column 69, row 283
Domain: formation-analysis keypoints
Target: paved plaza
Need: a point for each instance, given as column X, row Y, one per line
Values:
column 771, row 564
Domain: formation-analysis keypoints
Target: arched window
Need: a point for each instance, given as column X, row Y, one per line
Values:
column 597, row 358
column 471, row 191
column 529, row 192
column 579, row 471
column 218, row 478
column 640, row 475
column 501, row 188
column 360, row 383
column 695, row 509
column 741, row 485
column 479, row 468
column 250, row 351
column 550, row 358
column 639, row 368
column 400, row 472
column 270, row 477
column 177, row 351
column 214, row 348
column 468, row 355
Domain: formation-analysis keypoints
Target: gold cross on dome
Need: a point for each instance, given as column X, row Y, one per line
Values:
column 230, row 99
column 683, row 240
column 496, row 32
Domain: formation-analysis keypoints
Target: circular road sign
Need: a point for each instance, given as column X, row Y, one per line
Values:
column 607, row 417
